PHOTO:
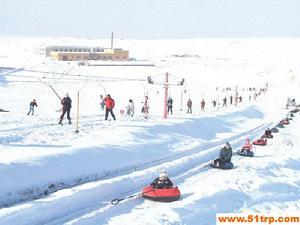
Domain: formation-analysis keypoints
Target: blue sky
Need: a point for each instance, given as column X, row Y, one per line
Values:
column 151, row 18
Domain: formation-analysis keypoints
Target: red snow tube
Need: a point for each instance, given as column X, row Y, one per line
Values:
column 161, row 195
column 260, row 142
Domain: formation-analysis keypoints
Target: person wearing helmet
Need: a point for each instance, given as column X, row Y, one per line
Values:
column 224, row 156
column 162, row 182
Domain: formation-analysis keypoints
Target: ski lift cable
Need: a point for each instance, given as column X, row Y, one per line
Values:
column 89, row 76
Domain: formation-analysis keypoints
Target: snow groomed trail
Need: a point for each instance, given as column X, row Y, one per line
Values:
column 89, row 197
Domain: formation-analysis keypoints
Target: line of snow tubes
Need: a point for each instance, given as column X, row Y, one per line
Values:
column 161, row 195
column 245, row 153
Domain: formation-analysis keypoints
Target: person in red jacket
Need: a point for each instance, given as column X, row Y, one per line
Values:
column 109, row 104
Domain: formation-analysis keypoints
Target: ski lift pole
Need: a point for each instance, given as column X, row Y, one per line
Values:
column 166, row 95
column 181, row 98
column 102, row 88
column 49, row 85
column 77, row 114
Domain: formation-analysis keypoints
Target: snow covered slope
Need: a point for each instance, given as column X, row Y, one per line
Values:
column 75, row 175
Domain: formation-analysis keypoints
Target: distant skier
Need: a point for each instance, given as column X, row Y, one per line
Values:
column 241, row 99
column 225, row 102
column 66, row 108
column 130, row 108
column 102, row 103
column 231, row 99
column 170, row 105
column 145, row 108
column 31, row 107
column 162, row 182
column 189, row 106
column 202, row 105
column 214, row 102
column 109, row 104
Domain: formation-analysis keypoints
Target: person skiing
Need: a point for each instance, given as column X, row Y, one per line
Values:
column 66, row 108
column 31, row 107
column 241, row 99
column 224, row 156
column 162, row 182
column 189, row 106
column 247, row 146
column 231, row 99
column 202, row 105
column 130, row 108
column 145, row 107
column 102, row 104
column 225, row 102
column 214, row 102
column 170, row 105
column 109, row 105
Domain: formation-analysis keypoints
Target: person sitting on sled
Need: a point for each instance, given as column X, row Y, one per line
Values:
column 261, row 139
column 162, row 182
column 224, row 156
column 247, row 146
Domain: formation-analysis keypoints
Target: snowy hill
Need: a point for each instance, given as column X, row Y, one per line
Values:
column 51, row 175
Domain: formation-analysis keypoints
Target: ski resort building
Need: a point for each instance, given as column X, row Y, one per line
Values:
column 79, row 53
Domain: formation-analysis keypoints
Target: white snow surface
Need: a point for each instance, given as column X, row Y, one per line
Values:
column 51, row 175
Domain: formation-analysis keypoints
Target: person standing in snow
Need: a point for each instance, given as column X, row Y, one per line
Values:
column 203, row 105
column 214, row 102
column 130, row 108
column 189, row 106
column 225, row 102
column 102, row 104
column 231, row 99
column 66, row 108
column 241, row 99
column 170, row 105
column 109, row 104
column 31, row 107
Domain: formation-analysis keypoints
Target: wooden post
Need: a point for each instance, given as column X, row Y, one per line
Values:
column 77, row 119
column 166, row 95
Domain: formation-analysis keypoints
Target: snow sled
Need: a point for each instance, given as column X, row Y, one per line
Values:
column 161, row 195
column 274, row 130
column 267, row 136
column 260, row 142
column 245, row 153
column 292, row 115
column 280, row 125
column 223, row 166
column 294, row 111
column 285, row 122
